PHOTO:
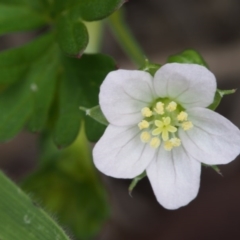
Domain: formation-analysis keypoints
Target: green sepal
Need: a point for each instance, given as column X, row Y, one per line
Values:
column 95, row 123
column 95, row 113
column 72, row 36
column 21, row 218
column 218, row 97
column 214, row 167
column 150, row 67
column 135, row 182
column 187, row 56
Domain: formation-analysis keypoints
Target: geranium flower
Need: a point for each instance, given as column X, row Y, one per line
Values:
column 161, row 124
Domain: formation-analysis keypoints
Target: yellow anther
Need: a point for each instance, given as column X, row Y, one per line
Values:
column 187, row 125
column 182, row 116
column 155, row 142
column 176, row 142
column 159, row 108
column 143, row 124
column 171, row 107
column 146, row 112
column 168, row 145
column 145, row 137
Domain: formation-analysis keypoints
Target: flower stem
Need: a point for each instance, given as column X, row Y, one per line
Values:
column 125, row 38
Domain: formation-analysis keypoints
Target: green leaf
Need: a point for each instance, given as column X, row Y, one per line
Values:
column 19, row 18
column 21, row 218
column 68, row 122
column 43, row 83
column 91, row 10
column 72, row 36
column 218, row 97
column 135, row 182
column 80, row 87
column 18, row 100
column 15, row 63
column 62, row 6
column 15, row 108
column 88, row 10
column 188, row 56
column 94, row 129
column 74, row 192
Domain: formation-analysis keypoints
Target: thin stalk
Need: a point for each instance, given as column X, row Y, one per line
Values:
column 125, row 38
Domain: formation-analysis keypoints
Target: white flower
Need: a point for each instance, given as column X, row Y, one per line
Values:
column 162, row 125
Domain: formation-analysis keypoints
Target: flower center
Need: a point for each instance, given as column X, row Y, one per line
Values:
column 161, row 123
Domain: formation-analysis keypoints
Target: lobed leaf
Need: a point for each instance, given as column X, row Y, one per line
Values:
column 43, row 78
column 79, row 87
column 68, row 123
column 15, row 108
column 94, row 129
column 88, row 10
column 92, row 10
column 72, row 36
column 17, row 101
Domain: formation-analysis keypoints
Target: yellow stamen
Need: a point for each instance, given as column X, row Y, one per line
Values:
column 171, row 107
column 176, row 142
column 145, row 137
column 143, row 124
column 187, row 125
column 168, row 145
column 182, row 116
column 146, row 112
column 159, row 108
column 155, row 142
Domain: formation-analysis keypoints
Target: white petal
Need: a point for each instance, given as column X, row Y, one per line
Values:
column 121, row 154
column 123, row 94
column 175, row 177
column 191, row 85
column 213, row 138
